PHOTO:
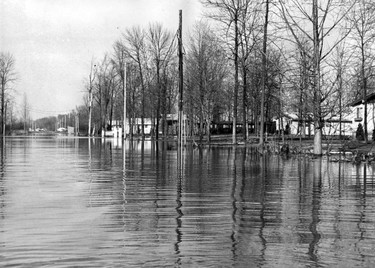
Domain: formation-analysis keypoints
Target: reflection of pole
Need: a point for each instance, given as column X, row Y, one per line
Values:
column 180, row 161
column 178, row 219
column 124, row 92
column 124, row 174
column 364, row 180
column 124, row 162
column 180, row 85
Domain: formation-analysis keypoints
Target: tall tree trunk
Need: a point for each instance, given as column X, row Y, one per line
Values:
column 92, row 77
column 245, row 126
column 318, row 124
column 235, row 94
column 340, row 102
column 100, row 110
column 143, row 115
column 264, row 73
column 202, row 104
column 157, row 118
column 256, row 117
column 2, row 108
column 90, row 111
column 304, row 86
column 364, row 86
column 160, row 99
column 124, row 94
column 208, row 128
column 164, row 106
column 143, row 99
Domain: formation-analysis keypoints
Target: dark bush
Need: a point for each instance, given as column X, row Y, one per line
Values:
column 360, row 135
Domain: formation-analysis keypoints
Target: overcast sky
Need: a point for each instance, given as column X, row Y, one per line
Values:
column 53, row 41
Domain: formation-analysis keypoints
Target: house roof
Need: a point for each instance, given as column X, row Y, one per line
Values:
column 333, row 119
column 370, row 99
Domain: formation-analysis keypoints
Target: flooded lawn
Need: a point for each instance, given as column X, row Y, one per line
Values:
column 67, row 202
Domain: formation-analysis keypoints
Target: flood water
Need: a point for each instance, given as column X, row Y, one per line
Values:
column 67, row 202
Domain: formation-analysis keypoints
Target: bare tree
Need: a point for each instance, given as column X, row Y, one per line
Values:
column 362, row 21
column 264, row 72
column 92, row 76
column 300, row 83
column 317, row 26
column 161, row 49
column 10, row 103
column 135, row 48
column 340, row 65
column 119, row 62
column 105, row 91
column 7, row 78
column 250, row 37
column 228, row 13
column 206, row 70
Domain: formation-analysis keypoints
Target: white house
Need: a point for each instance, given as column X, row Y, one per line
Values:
column 349, row 121
column 137, row 125
column 115, row 131
column 357, row 114
column 331, row 125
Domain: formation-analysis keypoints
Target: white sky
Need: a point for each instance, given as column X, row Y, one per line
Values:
column 53, row 41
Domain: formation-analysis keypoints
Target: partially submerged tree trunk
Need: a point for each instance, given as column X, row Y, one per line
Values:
column 235, row 94
column 264, row 75
column 318, row 124
column 245, row 125
column 332, row 13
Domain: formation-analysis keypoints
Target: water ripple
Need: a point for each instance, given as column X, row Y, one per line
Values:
column 79, row 203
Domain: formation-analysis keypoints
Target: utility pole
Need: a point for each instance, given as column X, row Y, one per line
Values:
column 124, row 91
column 91, row 79
column 77, row 124
column 180, row 84
column 90, row 109
column 4, row 121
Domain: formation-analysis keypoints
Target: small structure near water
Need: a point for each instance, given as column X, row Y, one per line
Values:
column 351, row 117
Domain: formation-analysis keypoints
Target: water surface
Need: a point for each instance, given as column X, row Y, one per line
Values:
column 67, row 202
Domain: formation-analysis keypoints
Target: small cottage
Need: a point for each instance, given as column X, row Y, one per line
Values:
column 358, row 113
column 350, row 120
column 293, row 125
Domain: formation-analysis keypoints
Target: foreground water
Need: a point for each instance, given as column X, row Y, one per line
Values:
column 68, row 202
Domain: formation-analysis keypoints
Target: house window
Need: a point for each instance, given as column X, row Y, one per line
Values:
column 358, row 118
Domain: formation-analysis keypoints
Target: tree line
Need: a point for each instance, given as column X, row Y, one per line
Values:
column 247, row 62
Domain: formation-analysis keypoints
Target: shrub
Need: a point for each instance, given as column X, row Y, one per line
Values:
column 360, row 135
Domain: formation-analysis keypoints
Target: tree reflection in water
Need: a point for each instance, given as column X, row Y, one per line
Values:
column 93, row 202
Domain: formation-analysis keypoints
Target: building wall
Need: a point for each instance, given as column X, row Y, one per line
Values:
column 357, row 113
column 349, row 126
